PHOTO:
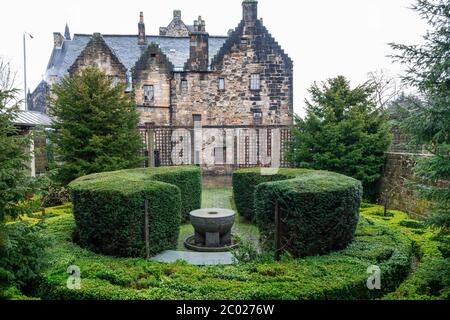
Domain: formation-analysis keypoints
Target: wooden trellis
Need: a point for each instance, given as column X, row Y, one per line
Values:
column 248, row 149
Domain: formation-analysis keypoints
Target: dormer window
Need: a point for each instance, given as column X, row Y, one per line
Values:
column 149, row 93
column 255, row 82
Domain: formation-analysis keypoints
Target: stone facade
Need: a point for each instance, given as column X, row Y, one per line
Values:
column 244, row 78
column 98, row 54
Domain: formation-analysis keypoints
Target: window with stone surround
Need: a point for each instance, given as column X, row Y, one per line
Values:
column 184, row 87
column 221, row 84
column 149, row 93
column 255, row 82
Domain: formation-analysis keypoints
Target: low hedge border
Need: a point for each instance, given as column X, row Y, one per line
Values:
column 340, row 275
column 109, row 208
column 319, row 210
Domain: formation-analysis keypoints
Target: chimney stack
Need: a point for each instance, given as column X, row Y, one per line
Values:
column 141, row 30
column 199, row 47
column 177, row 15
column 58, row 39
column 250, row 14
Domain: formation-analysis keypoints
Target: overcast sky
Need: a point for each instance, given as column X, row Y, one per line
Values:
column 324, row 38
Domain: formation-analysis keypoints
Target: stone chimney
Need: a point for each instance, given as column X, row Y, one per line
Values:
column 177, row 15
column 58, row 39
column 250, row 14
column 199, row 47
column 141, row 30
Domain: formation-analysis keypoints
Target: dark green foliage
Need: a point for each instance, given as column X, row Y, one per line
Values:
column 109, row 208
column 245, row 182
column 95, row 126
column 340, row 275
column 426, row 118
column 14, row 183
column 343, row 132
column 22, row 252
column 319, row 212
column 190, row 183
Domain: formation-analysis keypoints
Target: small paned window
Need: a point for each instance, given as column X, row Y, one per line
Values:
column 255, row 82
column 149, row 93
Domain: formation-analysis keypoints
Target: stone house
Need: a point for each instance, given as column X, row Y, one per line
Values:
column 184, row 74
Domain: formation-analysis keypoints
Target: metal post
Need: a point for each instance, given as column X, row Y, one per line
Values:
column 25, row 67
column 146, row 231
column 25, row 71
column 277, row 232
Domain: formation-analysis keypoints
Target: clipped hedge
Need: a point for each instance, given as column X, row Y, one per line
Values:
column 109, row 208
column 245, row 182
column 319, row 209
column 340, row 275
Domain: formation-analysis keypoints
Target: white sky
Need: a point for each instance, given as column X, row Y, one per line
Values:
column 325, row 38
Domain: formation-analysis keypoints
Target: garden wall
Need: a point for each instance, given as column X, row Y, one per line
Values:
column 396, row 172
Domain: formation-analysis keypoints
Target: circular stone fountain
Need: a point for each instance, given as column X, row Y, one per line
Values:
column 212, row 230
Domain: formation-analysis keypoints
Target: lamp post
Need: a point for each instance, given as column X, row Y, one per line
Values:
column 25, row 34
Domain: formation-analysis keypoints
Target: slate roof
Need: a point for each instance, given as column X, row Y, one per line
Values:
column 32, row 119
column 127, row 50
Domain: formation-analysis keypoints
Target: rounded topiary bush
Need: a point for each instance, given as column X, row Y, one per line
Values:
column 319, row 210
column 245, row 182
column 109, row 208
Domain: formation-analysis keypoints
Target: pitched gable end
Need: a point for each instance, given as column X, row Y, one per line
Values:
column 98, row 54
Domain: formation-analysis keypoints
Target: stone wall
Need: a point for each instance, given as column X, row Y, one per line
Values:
column 397, row 171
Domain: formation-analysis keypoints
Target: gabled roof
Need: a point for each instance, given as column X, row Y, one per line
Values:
column 98, row 41
column 127, row 50
column 264, row 38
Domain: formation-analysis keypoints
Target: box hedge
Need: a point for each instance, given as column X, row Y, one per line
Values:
column 109, row 208
column 245, row 182
column 339, row 275
column 319, row 210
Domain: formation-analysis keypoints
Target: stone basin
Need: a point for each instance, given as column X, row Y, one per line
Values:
column 212, row 226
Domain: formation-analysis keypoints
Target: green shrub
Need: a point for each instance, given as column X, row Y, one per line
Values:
column 319, row 212
column 340, row 275
column 22, row 257
column 109, row 208
column 245, row 182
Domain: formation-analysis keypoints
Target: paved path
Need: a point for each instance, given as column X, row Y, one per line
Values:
column 196, row 258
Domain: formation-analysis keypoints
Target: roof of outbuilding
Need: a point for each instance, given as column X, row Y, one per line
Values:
column 127, row 50
column 32, row 119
